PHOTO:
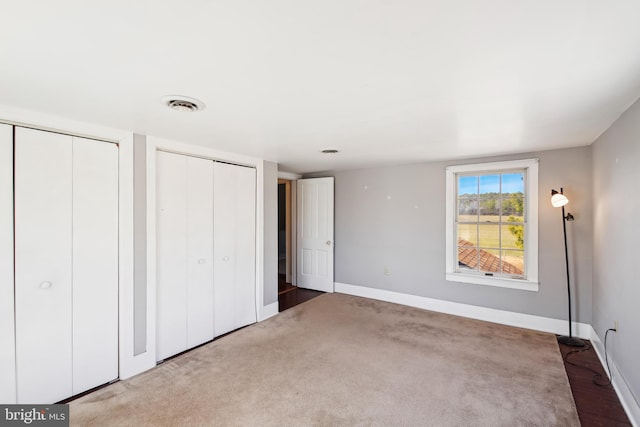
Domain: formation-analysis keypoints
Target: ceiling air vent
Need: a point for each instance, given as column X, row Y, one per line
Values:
column 183, row 103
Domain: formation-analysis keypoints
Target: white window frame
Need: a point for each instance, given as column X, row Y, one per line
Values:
column 530, row 282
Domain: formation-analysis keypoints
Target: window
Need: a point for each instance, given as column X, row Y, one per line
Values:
column 492, row 224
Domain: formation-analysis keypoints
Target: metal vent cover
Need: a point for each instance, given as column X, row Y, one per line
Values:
column 183, row 103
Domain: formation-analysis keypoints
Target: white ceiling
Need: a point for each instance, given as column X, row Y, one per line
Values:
column 384, row 82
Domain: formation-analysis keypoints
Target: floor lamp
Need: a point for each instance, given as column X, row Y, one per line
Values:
column 558, row 199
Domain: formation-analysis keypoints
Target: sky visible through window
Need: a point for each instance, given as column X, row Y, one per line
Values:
column 511, row 183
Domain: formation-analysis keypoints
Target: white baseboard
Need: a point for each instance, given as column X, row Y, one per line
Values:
column 268, row 311
column 622, row 389
column 528, row 321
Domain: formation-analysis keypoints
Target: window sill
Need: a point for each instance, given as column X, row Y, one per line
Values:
column 524, row 285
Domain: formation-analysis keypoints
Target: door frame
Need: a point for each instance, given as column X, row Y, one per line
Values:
column 7, row 294
column 287, row 228
column 293, row 180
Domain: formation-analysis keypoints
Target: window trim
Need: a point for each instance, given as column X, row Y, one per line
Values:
column 530, row 283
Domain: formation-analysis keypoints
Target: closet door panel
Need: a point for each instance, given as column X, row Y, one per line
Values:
column 171, row 309
column 224, row 230
column 95, row 263
column 245, row 265
column 43, row 202
column 200, row 251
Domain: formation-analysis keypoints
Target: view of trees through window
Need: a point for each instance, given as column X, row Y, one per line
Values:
column 490, row 222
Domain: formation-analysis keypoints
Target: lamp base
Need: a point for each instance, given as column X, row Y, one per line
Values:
column 571, row 341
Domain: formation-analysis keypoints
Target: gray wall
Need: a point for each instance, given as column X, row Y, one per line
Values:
column 270, row 232
column 616, row 289
column 398, row 222
column 139, row 244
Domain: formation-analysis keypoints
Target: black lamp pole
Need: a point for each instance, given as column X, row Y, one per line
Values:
column 568, row 340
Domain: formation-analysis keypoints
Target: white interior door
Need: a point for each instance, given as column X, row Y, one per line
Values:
column 234, row 246
column 95, row 263
column 315, row 234
column 185, row 295
column 171, row 295
column 43, row 266
column 199, row 251
column 245, row 246
column 224, row 228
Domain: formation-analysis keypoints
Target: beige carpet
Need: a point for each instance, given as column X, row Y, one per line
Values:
column 339, row 360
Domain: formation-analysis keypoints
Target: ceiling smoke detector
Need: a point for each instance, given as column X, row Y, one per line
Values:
column 329, row 151
column 183, row 103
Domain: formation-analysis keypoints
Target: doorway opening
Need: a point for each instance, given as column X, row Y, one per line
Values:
column 289, row 294
column 285, row 232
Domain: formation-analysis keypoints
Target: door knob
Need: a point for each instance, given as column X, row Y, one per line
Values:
column 329, row 242
column 45, row 285
column 202, row 261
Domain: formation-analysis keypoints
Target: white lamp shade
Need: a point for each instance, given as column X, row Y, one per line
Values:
column 558, row 200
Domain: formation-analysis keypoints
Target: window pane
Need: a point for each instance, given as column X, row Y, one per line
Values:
column 513, row 262
column 489, row 184
column 512, row 236
column 489, row 260
column 468, row 209
column 513, row 206
column 489, row 210
column 513, row 183
column 489, row 236
column 467, row 256
column 468, row 233
column 467, row 185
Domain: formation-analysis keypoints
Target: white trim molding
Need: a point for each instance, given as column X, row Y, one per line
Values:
column 288, row 175
column 620, row 386
column 130, row 364
column 268, row 311
column 7, row 296
column 510, row 318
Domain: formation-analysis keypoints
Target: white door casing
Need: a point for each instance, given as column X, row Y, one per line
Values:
column 7, row 326
column 315, row 234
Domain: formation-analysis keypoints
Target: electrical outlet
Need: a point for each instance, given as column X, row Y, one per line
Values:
column 616, row 326
column 387, row 272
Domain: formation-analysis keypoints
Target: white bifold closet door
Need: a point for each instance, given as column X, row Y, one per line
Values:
column 205, row 250
column 234, row 246
column 66, row 265
column 184, row 189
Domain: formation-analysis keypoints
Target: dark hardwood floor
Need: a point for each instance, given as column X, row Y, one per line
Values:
column 290, row 296
column 597, row 405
